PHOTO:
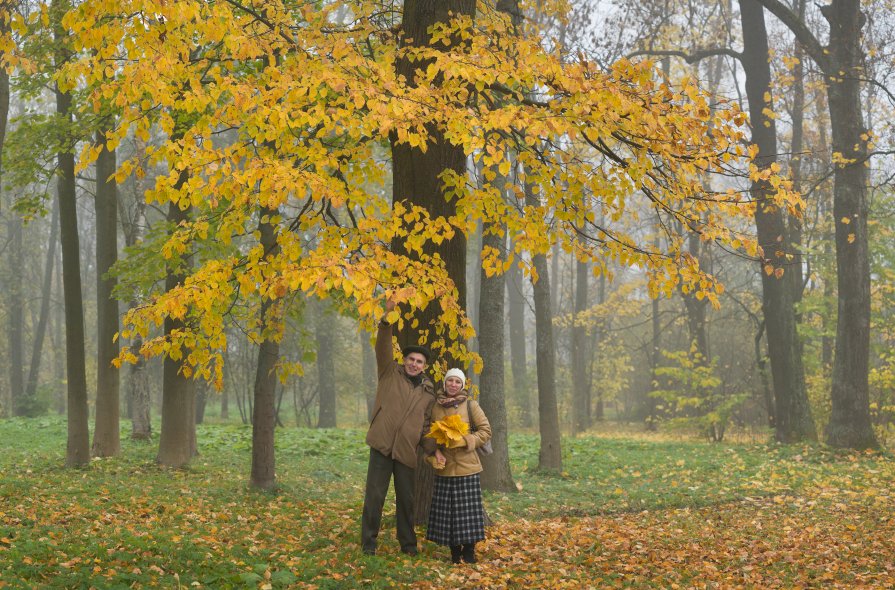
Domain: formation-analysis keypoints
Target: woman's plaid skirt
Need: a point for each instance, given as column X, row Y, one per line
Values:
column 456, row 516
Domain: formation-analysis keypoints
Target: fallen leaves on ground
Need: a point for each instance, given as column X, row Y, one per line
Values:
column 777, row 542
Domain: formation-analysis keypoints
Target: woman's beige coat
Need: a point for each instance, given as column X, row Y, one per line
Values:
column 464, row 460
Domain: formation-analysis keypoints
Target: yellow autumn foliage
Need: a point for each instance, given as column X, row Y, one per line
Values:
column 572, row 154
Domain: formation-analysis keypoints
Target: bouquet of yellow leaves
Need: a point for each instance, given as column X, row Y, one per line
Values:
column 449, row 431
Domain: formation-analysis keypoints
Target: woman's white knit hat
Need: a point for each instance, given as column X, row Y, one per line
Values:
column 456, row 373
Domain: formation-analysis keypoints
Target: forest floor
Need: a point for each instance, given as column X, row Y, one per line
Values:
column 626, row 512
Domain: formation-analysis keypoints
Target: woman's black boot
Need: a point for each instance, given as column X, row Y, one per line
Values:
column 469, row 553
column 456, row 550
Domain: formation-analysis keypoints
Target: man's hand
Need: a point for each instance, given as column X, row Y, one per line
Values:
column 389, row 305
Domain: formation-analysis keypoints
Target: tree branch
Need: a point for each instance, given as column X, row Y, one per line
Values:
column 803, row 34
column 690, row 58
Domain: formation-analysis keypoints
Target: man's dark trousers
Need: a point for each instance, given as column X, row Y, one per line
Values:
column 379, row 471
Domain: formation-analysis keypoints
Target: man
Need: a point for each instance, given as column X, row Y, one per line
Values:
column 404, row 398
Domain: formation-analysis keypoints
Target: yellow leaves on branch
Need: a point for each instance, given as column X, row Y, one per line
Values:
column 570, row 153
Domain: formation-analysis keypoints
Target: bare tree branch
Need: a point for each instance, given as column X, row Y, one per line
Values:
column 803, row 34
column 690, row 58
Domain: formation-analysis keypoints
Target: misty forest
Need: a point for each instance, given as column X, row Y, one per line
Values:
column 657, row 235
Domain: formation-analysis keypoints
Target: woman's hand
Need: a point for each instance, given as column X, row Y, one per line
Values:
column 439, row 456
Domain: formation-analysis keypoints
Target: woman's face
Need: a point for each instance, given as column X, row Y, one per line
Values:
column 452, row 385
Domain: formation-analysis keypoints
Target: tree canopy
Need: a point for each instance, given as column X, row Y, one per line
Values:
column 288, row 107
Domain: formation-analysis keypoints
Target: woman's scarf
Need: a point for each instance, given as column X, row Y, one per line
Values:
column 447, row 401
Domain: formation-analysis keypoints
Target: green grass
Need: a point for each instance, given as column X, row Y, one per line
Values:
column 125, row 522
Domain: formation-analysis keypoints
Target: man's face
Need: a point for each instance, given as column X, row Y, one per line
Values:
column 414, row 364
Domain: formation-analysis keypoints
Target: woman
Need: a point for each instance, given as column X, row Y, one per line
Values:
column 456, row 516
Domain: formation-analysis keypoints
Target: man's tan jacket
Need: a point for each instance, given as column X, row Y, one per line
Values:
column 401, row 412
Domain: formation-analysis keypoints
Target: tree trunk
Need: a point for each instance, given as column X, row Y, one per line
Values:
column 201, row 401
column 580, row 352
column 842, row 65
column 599, row 335
column 106, row 438
column 497, row 474
column 550, row 454
column 178, row 432
column 326, row 370
column 793, row 421
column 416, row 172
column 264, row 411
column 139, row 402
column 796, row 272
column 473, row 283
column 696, row 309
column 23, row 405
column 850, row 424
column 78, row 446
column 518, row 356
column 138, row 382
column 415, row 180
column 368, row 372
column 225, row 403
column 46, row 292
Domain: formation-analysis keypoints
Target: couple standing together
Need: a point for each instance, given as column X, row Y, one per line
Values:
column 406, row 405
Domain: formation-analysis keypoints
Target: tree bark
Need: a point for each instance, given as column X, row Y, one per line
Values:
column 138, row 382
column 264, row 412
column 23, row 405
column 850, row 425
column 178, row 432
column 22, row 402
column 416, row 172
column 792, row 419
column 550, row 453
column 139, row 402
column 326, row 370
column 201, row 401
column 497, row 474
column 106, row 438
column 842, row 65
column 518, row 354
column 581, row 352
column 795, row 228
column 415, row 180
column 44, row 317
column 368, row 372
column 78, row 445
